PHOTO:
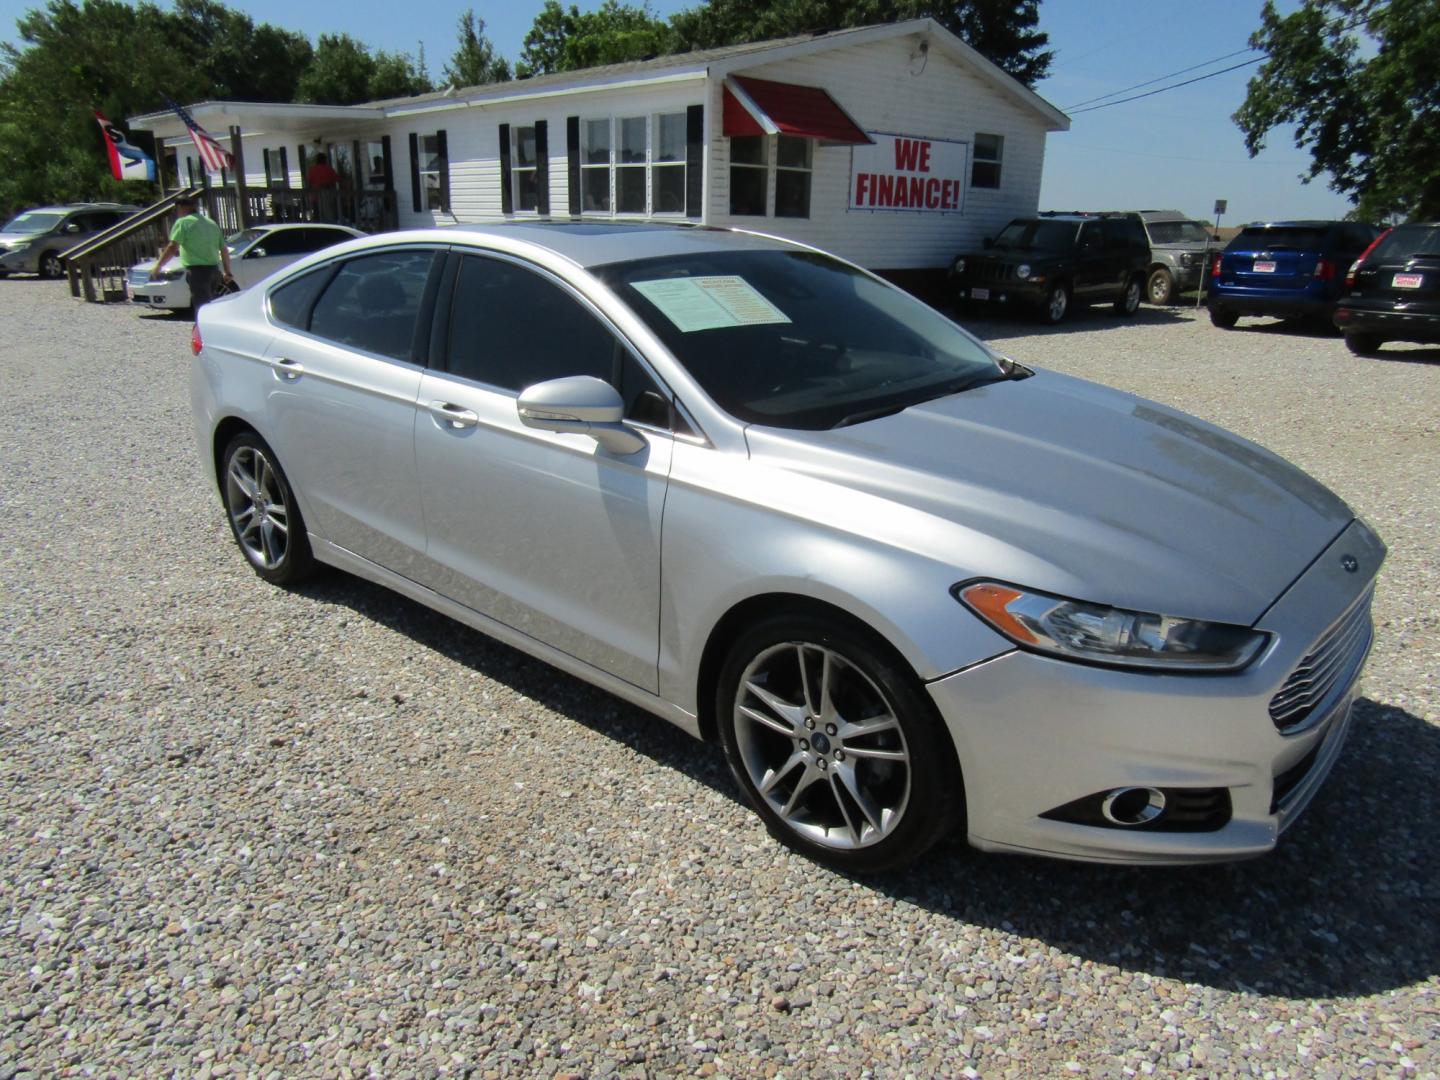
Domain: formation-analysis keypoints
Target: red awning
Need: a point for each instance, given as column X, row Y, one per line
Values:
column 760, row 107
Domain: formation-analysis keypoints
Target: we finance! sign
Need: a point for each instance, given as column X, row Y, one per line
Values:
column 911, row 173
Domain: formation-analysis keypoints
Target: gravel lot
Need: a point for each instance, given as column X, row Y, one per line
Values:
column 251, row 832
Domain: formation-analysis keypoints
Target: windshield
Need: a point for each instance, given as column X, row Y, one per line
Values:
column 1177, row 232
column 33, row 223
column 235, row 241
column 1036, row 236
column 797, row 339
column 1405, row 241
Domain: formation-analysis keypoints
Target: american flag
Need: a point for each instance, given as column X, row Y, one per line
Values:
column 215, row 156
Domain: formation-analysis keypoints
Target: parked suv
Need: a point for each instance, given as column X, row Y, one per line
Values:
column 1052, row 261
column 1289, row 269
column 1178, row 249
column 32, row 242
column 1394, row 291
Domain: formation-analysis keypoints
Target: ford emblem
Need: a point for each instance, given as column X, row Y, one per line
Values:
column 1349, row 563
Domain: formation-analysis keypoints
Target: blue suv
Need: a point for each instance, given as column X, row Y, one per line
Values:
column 1288, row 269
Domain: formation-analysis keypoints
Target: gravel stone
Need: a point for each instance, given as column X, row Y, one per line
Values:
column 258, row 833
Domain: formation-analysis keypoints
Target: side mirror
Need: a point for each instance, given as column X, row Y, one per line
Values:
column 255, row 253
column 580, row 405
column 988, row 242
column 72, row 228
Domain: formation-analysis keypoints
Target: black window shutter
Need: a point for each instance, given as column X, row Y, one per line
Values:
column 694, row 160
column 572, row 161
column 442, row 147
column 415, row 170
column 386, row 163
column 284, row 168
column 269, row 179
column 542, row 168
column 507, row 201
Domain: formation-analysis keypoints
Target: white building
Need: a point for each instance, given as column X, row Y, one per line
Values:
column 894, row 146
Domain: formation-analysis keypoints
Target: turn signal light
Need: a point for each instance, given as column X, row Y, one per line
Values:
column 1215, row 266
column 1324, row 269
column 195, row 343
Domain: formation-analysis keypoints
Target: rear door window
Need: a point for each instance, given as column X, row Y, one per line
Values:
column 373, row 303
column 290, row 304
column 317, row 238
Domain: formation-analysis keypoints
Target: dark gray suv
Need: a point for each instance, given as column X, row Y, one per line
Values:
column 1178, row 249
column 33, row 241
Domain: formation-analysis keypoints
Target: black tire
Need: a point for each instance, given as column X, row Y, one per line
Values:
column 1057, row 304
column 50, row 266
column 1363, row 344
column 907, row 804
column 1224, row 318
column 280, row 553
column 1129, row 301
column 1160, row 287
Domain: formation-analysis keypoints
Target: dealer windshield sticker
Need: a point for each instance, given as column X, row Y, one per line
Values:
column 709, row 303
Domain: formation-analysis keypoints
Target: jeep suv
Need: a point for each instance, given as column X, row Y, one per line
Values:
column 1178, row 249
column 32, row 242
column 1051, row 262
column 1288, row 269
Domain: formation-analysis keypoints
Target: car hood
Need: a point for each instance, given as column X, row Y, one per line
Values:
column 12, row 238
column 1069, row 487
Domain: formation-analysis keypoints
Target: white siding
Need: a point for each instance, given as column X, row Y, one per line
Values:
column 877, row 85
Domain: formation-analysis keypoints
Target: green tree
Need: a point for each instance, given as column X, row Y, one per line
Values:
column 567, row 40
column 232, row 59
column 1367, row 111
column 345, row 72
column 398, row 74
column 475, row 62
column 1004, row 31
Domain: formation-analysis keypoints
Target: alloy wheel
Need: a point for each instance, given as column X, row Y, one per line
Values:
column 50, row 265
column 821, row 744
column 255, row 499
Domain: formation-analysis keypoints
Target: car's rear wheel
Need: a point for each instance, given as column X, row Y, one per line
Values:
column 835, row 745
column 262, row 512
column 50, row 265
column 1160, row 287
column 1362, row 344
column 1224, row 318
column 1129, row 301
column 1057, row 303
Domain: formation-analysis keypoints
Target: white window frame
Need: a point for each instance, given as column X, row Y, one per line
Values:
column 655, row 164
column 516, row 169
column 762, row 167
column 808, row 170
column 998, row 160
column 614, row 166
column 607, row 165
column 430, row 151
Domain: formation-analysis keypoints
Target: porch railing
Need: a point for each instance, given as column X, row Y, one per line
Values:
column 96, row 268
column 367, row 210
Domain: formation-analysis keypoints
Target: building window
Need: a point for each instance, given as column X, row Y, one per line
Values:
column 792, row 176
column 749, row 175
column 985, row 169
column 667, row 169
column 595, row 167
column 630, row 166
column 525, row 172
column 432, row 168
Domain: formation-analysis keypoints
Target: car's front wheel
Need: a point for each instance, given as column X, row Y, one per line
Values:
column 835, row 744
column 1129, row 301
column 1160, row 287
column 1057, row 303
column 50, row 266
column 262, row 512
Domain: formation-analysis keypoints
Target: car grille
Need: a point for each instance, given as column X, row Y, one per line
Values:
column 1334, row 659
column 992, row 271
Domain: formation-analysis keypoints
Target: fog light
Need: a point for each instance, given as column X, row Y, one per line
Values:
column 1133, row 806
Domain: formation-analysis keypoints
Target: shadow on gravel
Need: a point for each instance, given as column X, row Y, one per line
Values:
column 1426, row 355
column 1348, row 905
column 1311, row 328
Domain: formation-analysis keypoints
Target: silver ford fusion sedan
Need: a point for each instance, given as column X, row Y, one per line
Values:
column 911, row 587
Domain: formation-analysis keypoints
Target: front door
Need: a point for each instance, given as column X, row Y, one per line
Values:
column 548, row 533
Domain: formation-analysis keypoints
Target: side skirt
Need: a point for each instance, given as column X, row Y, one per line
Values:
column 343, row 559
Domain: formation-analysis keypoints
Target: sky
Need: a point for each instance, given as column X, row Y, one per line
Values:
column 1176, row 150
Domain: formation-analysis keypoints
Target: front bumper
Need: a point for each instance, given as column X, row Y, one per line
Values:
column 999, row 294
column 21, row 261
column 173, row 295
column 1034, row 734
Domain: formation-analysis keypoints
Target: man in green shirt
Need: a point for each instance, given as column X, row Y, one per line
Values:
column 202, row 251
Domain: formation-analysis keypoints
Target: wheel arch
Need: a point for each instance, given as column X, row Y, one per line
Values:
column 226, row 430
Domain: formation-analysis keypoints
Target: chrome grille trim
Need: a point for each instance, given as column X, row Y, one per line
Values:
column 1333, row 660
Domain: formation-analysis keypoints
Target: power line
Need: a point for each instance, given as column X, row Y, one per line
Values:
column 1172, row 86
column 1158, row 78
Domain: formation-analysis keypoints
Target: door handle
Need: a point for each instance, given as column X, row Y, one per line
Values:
column 456, row 416
column 289, row 369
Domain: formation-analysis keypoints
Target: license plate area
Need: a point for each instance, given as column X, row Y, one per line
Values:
column 1264, row 266
column 980, row 294
column 1407, row 281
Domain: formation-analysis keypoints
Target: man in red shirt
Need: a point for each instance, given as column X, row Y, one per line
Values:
column 323, row 183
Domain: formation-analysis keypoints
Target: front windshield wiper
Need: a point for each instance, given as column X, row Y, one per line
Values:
column 932, row 393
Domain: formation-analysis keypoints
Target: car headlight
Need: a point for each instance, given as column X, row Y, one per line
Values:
column 171, row 275
column 1022, row 271
column 958, row 266
column 1093, row 633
